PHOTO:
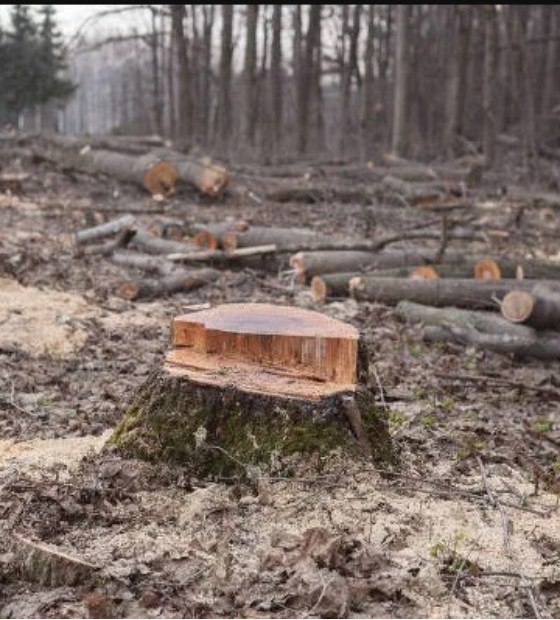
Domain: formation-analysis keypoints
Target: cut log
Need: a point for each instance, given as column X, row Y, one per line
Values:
column 167, row 229
column 418, row 193
column 280, row 237
column 152, row 171
column 314, row 195
column 461, row 293
column 107, row 248
column 179, row 281
column 133, row 145
column 144, row 262
column 126, row 222
column 205, row 175
column 338, row 284
column 210, row 235
column 155, row 245
column 539, row 308
column 310, row 264
column 485, row 330
column 521, row 269
column 256, row 384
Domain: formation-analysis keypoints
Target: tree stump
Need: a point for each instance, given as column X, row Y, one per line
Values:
column 256, row 384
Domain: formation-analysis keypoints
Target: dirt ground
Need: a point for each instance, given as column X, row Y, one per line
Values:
column 466, row 525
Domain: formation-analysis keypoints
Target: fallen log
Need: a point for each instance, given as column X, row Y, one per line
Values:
column 522, row 269
column 280, row 237
column 256, row 384
column 461, row 293
column 210, row 235
column 315, row 195
column 133, row 145
column 418, row 193
column 205, row 175
column 167, row 229
column 538, row 308
column 143, row 262
column 155, row 245
column 107, row 248
column 126, row 222
column 152, row 171
column 315, row 263
column 485, row 330
column 179, row 281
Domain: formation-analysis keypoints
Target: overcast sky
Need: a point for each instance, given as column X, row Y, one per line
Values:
column 70, row 16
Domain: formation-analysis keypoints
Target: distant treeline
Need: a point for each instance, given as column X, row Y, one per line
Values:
column 31, row 62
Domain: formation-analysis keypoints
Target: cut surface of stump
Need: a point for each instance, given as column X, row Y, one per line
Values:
column 256, row 383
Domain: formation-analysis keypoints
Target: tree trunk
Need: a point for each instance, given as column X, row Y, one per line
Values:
column 250, row 74
column 307, row 72
column 368, row 101
column 184, row 134
column 225, row 124
column 400, row 116
column 209, row 406
column 276, row 81
column 489, row 88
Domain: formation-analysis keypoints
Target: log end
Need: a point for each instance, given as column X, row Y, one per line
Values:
column 229, row 241
column 517, row 306
column 213, row 179
column 319, row 289
column 425, row 272
column 205, row 239
column 487, row 269
column 160, row 178
column 128, row 290
column 297, row 263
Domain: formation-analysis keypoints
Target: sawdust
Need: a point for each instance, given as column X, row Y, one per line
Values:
column 42, row 322
column 40, row 454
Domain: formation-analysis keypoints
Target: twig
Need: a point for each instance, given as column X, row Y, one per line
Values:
column 496, row 503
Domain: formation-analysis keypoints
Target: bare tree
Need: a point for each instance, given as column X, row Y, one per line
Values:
column 489, row 86
column 184, row 133
column 250, row 74
column 276, row 82
column 224, row 113
column 400, row 130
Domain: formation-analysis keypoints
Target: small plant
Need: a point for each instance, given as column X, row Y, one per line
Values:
column 428, row 420
column 43, row 401
column 396, row 418
column 544, row 425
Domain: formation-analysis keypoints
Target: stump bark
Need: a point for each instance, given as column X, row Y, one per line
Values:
column 256, row 385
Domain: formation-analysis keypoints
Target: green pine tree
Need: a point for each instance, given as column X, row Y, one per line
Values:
column 51, row 60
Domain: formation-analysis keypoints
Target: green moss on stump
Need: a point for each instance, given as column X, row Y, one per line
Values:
column 219, row 431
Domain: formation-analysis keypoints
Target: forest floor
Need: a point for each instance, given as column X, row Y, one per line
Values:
column 467, row 525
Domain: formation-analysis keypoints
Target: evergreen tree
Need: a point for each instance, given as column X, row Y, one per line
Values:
column 31, row 60
column 51, row 60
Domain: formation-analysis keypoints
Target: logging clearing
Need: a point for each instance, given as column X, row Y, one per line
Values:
column 280, row 311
